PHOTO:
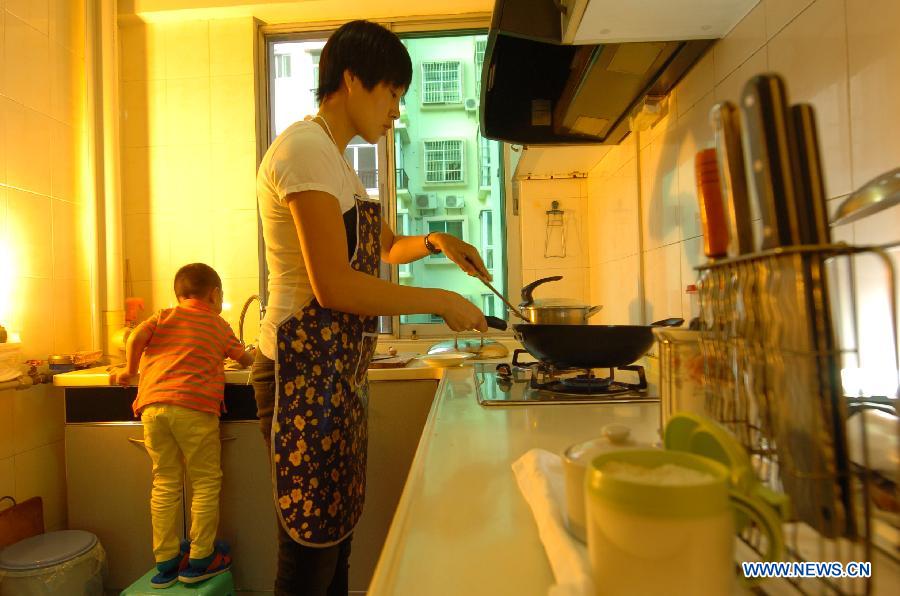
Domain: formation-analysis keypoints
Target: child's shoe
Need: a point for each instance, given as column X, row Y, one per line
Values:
column 169, row 570
column 199, row 570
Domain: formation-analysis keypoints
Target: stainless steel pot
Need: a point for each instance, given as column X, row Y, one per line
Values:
column 550, row 314
column 553, row 311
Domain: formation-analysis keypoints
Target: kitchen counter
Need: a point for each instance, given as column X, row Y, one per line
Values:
column 462, row 526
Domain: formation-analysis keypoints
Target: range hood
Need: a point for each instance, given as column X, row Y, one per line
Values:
column 537, row 91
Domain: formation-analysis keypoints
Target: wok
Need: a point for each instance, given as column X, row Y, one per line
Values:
column 589, row 346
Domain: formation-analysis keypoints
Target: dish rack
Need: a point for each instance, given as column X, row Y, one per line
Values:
column 775, row 332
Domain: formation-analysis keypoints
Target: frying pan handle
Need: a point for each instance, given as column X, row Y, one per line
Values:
column 495, row 323
column 668, row 323
column 527, row 290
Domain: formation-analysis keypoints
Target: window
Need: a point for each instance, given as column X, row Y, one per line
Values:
column 487, row 238
column 444, row 162
column 454, row 225
column 428, row 160
column 480, row 47
column 314, row 57
column 363, row 158
column 441, row 82
column 484, row 151
column 282, row 66
column 488, row 306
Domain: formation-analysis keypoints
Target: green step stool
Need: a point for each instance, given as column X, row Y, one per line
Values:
column 220, row 585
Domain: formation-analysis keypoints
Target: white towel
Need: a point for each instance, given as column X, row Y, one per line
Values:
column 540, row 477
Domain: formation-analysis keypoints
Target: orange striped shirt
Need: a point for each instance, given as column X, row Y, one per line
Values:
column 183, row 362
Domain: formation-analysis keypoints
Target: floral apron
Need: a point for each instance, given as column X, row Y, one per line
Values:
column 319, row 432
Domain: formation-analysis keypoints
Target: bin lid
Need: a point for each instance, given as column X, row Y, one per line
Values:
column 46, row 550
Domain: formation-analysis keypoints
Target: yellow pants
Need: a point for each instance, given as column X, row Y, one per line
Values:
column 180, row 439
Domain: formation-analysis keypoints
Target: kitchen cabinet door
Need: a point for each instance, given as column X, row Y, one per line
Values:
column 397, row 413
column 108, row 483
column 246, row 507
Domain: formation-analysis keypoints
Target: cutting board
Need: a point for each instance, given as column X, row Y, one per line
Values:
column 398, row 361
column 21, row 521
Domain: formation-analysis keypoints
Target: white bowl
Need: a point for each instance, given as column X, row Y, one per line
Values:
column 446, row 359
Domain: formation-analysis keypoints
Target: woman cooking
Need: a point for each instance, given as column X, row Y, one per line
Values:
column 324, row 240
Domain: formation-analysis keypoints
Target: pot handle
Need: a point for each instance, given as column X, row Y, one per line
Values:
column 593, row 310
column 675, row 322
column 495, row 323
column 527, row 290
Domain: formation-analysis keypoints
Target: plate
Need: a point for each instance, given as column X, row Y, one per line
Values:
column 446, row 359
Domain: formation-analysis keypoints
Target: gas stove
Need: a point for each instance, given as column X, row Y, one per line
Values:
column 533, row 383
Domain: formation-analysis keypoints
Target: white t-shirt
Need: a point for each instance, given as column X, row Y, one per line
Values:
column 303, row 157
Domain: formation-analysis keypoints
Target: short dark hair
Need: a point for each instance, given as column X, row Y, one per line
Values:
column 196, row 280
column 367, row 50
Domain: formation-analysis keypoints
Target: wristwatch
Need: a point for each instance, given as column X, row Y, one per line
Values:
column 431, row 247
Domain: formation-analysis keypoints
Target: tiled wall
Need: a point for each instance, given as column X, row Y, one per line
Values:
column 842, row 56
column 549, row 250
column 45, row 272
column 189, row 157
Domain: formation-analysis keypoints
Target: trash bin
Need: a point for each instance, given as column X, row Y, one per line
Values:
column 64, row 562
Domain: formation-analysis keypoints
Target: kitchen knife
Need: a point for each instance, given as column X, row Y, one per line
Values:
column 770, row 159
column 732, row 178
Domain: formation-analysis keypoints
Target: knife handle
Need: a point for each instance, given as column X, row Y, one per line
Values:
column 712, row 213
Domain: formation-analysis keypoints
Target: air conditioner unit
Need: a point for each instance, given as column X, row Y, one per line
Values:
column 426, row 201
column 454, row 202
column 471, row 104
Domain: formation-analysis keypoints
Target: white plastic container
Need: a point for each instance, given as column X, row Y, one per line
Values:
column 64, row 562
column 10, row 367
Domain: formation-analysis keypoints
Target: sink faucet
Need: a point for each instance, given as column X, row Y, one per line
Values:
column 244, row 314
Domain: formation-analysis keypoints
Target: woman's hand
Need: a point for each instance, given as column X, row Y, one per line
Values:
column 460, row 314
column 462, row 253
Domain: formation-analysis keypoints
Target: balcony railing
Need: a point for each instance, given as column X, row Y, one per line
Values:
column 369, row 178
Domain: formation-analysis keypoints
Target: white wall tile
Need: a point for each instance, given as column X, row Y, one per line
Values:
column 30, row 314
column 36, row 13
column 27, row 148
column 67, row 24
column 64, row 235
column 662, row 273
column 71, row 327
column 233, row 109
column 233, row 174
column 7, row 426
column 187, row 49
column 696, row 134
column 29, row 226
column 142, row 55
column 874, row 56
column 187, row 111
column 781, row 12
column 741, row 42
column 64, row 147
column 230, row 258
column 731, row 87
column 659, row 191
column 696, row 84
column 66, row 83
column 39, row 415
column 27, row 62
column 7, row 480
column 42, row 472
column 231, row 46
column 811, row 53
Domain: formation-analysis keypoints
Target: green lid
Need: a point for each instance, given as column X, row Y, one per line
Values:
column 654, row 499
